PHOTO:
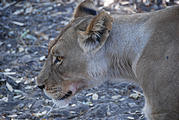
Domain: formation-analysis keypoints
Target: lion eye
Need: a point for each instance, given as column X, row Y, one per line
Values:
column 59, row 60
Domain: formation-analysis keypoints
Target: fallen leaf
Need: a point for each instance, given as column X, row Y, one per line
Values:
column 122, row 99
column 73, row 105
column 40, row 113
column 9, row 87
column 116, row 96
column 24, row 34
column 95, row 96
column 72, row 112
column 13, row 115
column 7, row 70
column 28, row 10
column 18, row 23
column 17, row 12
column 17, row 96
column 134, row 96
column 42, row 58
column 5, row 99
column 89, row 94
column 130, row 118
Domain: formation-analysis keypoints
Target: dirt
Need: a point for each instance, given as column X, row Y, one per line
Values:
column 26, row 27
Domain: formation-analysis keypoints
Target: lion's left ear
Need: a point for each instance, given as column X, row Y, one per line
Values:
column 85, row 8
column 96, row 33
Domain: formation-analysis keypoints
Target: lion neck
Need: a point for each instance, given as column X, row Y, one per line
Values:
column 125, row 45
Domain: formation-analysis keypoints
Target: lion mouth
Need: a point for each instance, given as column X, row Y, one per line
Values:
column 64, row 100
column 67, row 95
column 65, row 92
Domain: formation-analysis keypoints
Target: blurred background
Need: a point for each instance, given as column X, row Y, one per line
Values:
column 26, row 27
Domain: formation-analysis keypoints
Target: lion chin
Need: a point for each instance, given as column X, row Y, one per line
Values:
column 63, row 100
column 61, row 103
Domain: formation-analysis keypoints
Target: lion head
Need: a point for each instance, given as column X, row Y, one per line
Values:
column 75, row 58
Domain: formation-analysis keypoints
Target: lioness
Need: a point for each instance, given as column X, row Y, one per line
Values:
column 95, row 47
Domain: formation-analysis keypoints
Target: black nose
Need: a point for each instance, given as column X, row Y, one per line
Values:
column 41, row 87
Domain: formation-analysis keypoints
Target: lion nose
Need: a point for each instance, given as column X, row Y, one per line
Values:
column 41, row 87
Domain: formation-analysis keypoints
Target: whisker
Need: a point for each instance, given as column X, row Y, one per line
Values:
column 63, row 94
column 51, row 109
column 57, row 90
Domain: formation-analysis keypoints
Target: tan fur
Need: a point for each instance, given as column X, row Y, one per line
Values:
column 107, row 22
column 53, row 42
column 101, row 22
column 143, row 48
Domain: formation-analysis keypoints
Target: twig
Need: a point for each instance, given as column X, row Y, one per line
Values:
column 5, row 26
column 51, row 109
column 11, row 4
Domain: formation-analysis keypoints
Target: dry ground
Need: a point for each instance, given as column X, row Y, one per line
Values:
column 25, row 28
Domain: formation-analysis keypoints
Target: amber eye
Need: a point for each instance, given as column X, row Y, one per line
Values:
column 59, row 60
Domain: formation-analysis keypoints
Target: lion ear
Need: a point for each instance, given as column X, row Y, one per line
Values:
column 96, row 32
column 86, row 7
